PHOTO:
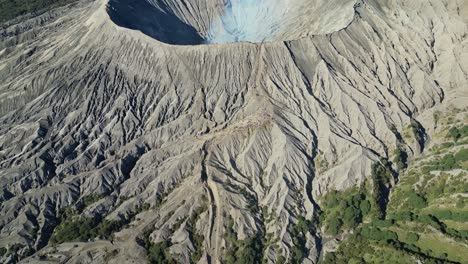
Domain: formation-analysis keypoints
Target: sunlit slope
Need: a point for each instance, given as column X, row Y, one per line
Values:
column 117, row 146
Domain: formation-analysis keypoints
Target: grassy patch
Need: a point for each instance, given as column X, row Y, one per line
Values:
column 456, row 224
column 442, row 247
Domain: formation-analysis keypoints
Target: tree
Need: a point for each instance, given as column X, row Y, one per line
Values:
column 401, row 158
column 379, row 235
column 365, row 207
column 330, row 257
column 454, row 133
column 351, row 217
column 332, row 199
column 334, row 226
column 250, row 251
column 158, row 253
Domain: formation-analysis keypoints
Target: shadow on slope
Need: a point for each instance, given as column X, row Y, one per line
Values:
column 158, row 23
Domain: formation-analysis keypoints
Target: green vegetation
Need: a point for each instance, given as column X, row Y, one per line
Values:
column 159, row 253
column 388, row 242
column 334, row 226
column 345, row 210
column 448, row 162
column 375, row 233
column 360, row 249
column 401, row 158
column 252, row 203
column 460, row 216
column 457, row 133
column 419, row 133
column 10, row 9
column 13, row 252
column 299, row 232
column 408, row 199
column 197, row 239
column 73, row 227
column 381, row 179
column 412, row 238
column 83, row 229
column 90, row 199
column 461, row 156
column 423, row 218
column 79, row 229
column 321, row 163
column 249, row 250
column 443, row 185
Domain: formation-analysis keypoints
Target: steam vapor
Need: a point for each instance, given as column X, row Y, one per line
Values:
column 248, row 20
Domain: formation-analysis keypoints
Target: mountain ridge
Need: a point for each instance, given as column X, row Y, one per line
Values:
column 90, row 108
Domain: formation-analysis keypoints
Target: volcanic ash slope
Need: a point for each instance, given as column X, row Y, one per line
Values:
column 184, row 141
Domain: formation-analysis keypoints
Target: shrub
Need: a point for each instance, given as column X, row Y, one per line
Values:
column 299, row 232
column 454, row 133
column 332, row 199
column 379, row 235
column 401, row 158
column 464, row 131
column 107, row 228
column 330, row 258
column 249, row 250
column 197, row 239
column 365, row 207
column 381, row 176
column 158, row 253
column 428, row 219
column 351, row 217
column 78, row 229
column 402, row 216
column 448, row 162
column 419, row 132
column 383, row 223
column 334, row 226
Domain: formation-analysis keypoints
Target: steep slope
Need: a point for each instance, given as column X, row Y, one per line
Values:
column 427, row 214
column 202, row 153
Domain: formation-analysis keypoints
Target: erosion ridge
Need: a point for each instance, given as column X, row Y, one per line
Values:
column 179, row 142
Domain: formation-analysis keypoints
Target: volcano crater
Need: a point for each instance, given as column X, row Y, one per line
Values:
column 198, row 22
